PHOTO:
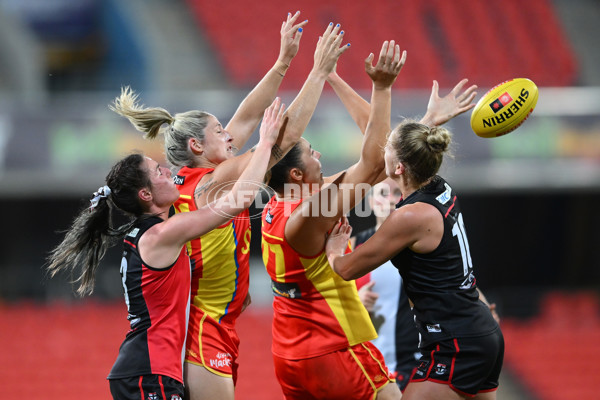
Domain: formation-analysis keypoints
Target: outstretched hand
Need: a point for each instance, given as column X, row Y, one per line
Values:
column 291, row 34
column 388, row 66
column 338, row 238
column 442, row 109
column 271, row 123
column 328, row 50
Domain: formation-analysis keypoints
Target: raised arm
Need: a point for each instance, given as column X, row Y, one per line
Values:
column 357, row 106
column 297, row 116
column 439, row 109
column 250, row 111
column 306, row 229
column 371, row 164
column 360, row 109
column 383, row 75
column 301, row 110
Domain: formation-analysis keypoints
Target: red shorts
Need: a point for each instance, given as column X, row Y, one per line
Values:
column 357, row 372
column 212, row 345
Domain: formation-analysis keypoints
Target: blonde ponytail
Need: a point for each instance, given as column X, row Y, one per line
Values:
column 146, row 120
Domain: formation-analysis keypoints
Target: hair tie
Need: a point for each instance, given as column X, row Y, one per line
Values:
column 102, row 193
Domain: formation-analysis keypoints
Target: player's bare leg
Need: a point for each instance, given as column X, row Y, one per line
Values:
column 430, row 391
column 389, row 392
column 201, row 384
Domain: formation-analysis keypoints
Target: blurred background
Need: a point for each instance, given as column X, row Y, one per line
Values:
column 530, row 198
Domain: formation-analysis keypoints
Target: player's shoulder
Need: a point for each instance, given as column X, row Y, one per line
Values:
column 413, row 213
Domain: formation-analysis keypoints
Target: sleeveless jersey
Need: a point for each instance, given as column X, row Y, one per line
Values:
column 441, row 284
column 398, row 340
column 157, row 304
column 315, row 311
column 220, row 258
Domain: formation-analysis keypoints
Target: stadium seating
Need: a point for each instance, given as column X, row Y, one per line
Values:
column 488, row 42
column 59, row 351
column 64, row 351
column 556, row 353
column 68, row 32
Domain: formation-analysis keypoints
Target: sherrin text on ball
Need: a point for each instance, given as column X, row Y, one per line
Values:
column 504, row 108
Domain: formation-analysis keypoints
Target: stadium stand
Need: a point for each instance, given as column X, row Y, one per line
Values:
column 555, row 354
column 68, row 33
column 65, row 351
column 527, row 41
column 57, row 350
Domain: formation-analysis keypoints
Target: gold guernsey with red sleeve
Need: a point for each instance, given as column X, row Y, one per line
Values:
column 315, row 311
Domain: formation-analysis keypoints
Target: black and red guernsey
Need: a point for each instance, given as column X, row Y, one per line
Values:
column 441, row 284
column 158, row 306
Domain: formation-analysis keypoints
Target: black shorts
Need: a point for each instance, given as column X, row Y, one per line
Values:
column 468, row 365
column 147, row 387
column 402, row 380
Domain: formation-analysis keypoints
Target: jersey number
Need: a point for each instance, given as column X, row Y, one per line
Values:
column 276, row 250
column 124, row 279
column 458, row 230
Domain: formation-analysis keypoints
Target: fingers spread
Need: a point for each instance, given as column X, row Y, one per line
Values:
column 403, row 58
column 390, row 50
column 369, row 62
column 459, row 86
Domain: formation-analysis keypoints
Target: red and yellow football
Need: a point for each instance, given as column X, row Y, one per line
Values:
column 504, row 108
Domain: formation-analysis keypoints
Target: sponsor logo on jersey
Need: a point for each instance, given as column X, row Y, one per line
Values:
column 469, row 282
column 289, row 290
column 269, row 217
column 133, row 321
column 444, row 197
column 175, row 397
column 178, row 179
column 434, row 328
column 152, row 396
column 134, row 232
column 440, row 369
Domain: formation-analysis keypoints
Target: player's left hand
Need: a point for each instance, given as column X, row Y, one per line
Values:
column 442, row 109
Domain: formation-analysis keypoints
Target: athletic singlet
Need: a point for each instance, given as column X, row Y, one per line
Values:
column 158, row 303
column 315, row 311
column 220, row 258
column 441, row 284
